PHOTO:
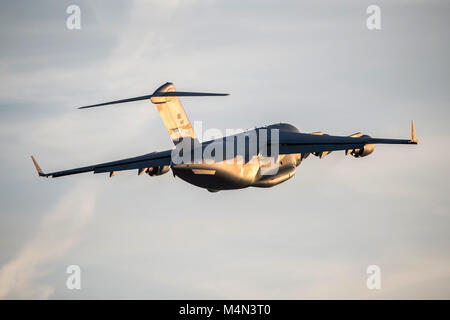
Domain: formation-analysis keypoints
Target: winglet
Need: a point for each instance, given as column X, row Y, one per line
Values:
column 413, row 133
column 38, row 169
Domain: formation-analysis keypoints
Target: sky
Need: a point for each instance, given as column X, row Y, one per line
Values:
column 312, row 64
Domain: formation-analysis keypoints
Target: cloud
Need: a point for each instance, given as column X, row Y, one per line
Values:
column 59, row 230
column 311, row 237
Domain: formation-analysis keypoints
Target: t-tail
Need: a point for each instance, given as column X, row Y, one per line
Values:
column 167, row 101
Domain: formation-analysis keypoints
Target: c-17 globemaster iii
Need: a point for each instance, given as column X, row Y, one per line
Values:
column 261, row 157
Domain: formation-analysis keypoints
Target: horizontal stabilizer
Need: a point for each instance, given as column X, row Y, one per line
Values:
column 158, row 94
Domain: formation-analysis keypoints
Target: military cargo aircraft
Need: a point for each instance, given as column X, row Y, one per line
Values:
column 260, row 157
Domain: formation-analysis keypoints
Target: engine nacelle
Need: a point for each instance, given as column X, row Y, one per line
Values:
column 365, row 151
column 157, row 171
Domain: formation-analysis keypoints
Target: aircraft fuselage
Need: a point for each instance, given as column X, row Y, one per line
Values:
column 258, row 171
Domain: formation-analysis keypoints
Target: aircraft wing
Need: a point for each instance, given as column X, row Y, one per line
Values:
column 292, row 142
column 153, row 159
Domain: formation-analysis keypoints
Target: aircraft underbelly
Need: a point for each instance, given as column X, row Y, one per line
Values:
column 217, row 176
column 228, row 176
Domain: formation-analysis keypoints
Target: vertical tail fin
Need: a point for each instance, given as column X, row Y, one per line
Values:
column 172, row 114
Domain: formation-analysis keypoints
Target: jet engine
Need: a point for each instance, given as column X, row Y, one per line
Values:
column 155, row 171
column 365, row 151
